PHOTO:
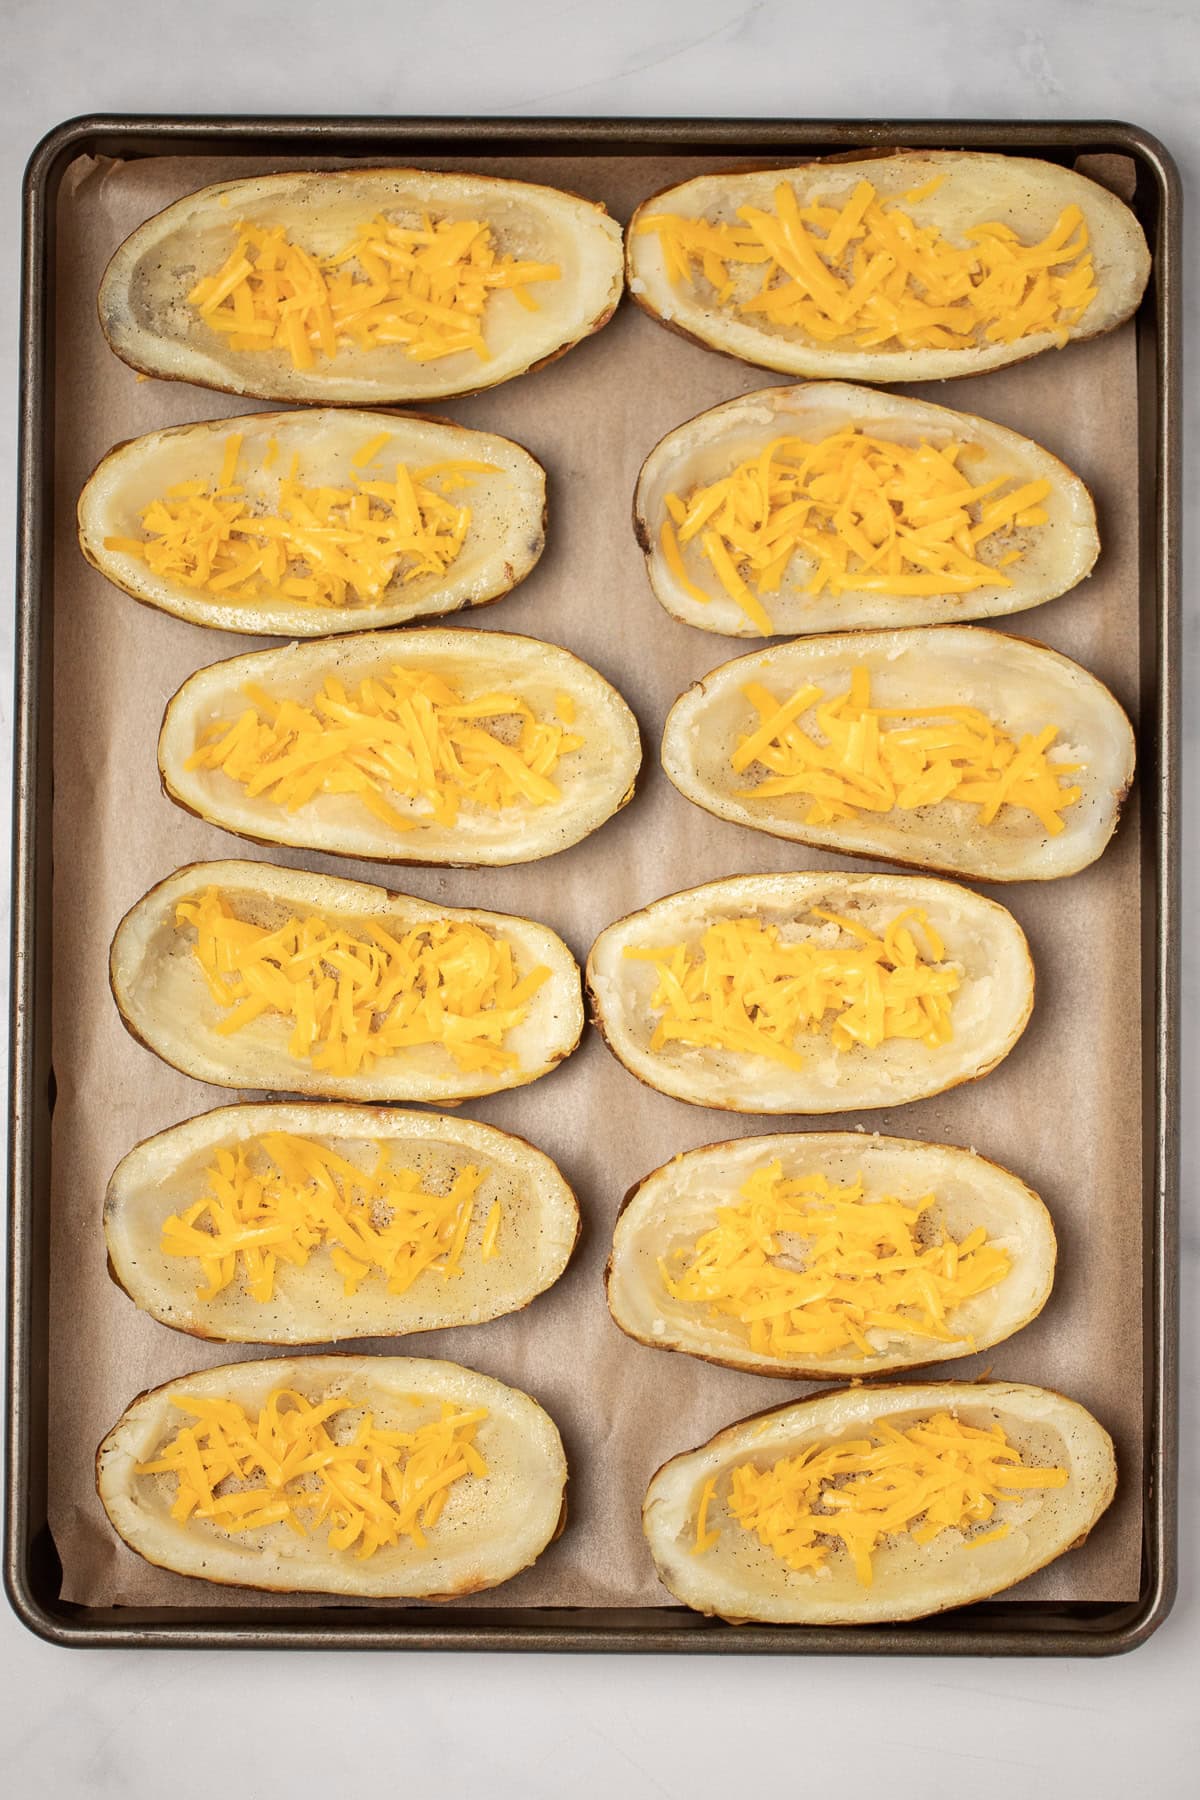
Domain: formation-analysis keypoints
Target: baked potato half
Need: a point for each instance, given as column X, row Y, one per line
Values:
column 361, row 287
column 265, row 1463
column 911, row 266
column 812, row 993
column 827, row 507
column 946, row 747
column 947, row 1493
column 824, row 1254
column 305, row 524
column 247, row 975
column 461, row 747
column 311, row 1224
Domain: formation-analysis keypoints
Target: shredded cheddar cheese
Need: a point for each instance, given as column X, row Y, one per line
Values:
column 804, row 1267
column 867, row 274
column 861, row 513
column 310, row 1464
column 856, row 758
column 279, row 1198
column 406, row 733
column 747, row 988
column 351, row 1000
column 933, row 1476
column 422, row 289
column 321, row 546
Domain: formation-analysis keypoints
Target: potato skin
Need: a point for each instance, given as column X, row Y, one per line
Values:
column 978, row 185
column 911, row 1582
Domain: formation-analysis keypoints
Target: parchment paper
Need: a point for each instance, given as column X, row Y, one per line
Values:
column 1064, row 1110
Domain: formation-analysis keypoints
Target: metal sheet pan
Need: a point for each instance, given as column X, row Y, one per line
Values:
column 1014, row 1626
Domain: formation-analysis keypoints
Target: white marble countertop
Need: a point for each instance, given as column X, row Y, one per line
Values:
column 111, row 1723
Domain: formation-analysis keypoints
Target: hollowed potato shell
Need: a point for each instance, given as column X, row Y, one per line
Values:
column 595, row 781
column 539, row 1223
column 989, row 1010
column 491, row 1528
column 672, row 1207
column 1022, row 687
column 1021, row 192
column 165, row 1003
column 739, row 1578
column 503, row 542
column 1054, row 556
column 145, row 315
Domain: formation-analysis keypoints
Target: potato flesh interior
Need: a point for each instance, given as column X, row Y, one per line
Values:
column 352, row 1000
column 852, row 512
column 806, row 1267
column 933, row 1475
column 747, row 988
column 854, row 758
column 314, row 1464
column 867, row 275
column 421, row 288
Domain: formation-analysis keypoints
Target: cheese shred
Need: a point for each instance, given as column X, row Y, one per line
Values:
column 853, row 512
column 851, row 758
column 352, row 1000
column 280, row 1199
column 804, row 1267
column 319, row 545
column 407, row 733
column 421, row 289
column 310, row 1465
column 747, row 988
column 866, row 274
column 937, row 1474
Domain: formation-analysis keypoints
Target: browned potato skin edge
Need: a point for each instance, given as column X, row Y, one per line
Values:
column 952, row 871
column 816, row 162
column 848, row 1624
column 268, row 1587
column 313, row 1093
column 397, row 860
column 383, row 412
column 214, row 1337
column 597, row 1019
column 796, row 1371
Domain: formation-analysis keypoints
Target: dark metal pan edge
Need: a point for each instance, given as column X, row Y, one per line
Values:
column 1105, row 1630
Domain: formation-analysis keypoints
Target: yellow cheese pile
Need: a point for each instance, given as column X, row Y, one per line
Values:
column 805, row 1267
column 937, row 1475
column 866, row 274
column 352, row 1000
column 322, row 546
column 407, row 732
column 749, row 989
column 865, row 513
column 856, row 758
column 420, row 289
column 307, row 1464
column 279, row 1198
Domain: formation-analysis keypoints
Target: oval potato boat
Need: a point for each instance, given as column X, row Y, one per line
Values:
column 492, row 1526
column 1020, row 194
column 1052, row 557
column 989, row 1010
column 672, row 1208
column 165, row 1002
column 741, row 1578
column 593, row 781
column 1023, row 688
column 538, row 1223
column 147, row 318
column 503, row 541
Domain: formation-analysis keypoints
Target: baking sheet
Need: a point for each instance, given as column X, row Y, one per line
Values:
column 1064, row 1110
